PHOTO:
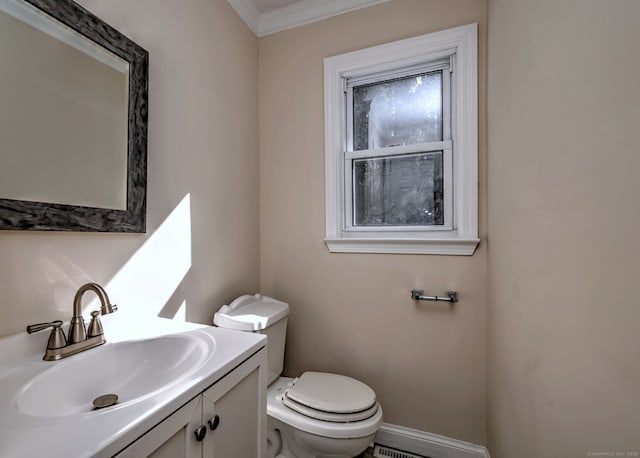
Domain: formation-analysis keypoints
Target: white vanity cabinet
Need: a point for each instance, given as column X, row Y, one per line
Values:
column 227, row 420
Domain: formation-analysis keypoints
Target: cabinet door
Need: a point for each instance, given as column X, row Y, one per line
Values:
column 172, row 438
column 234, row 411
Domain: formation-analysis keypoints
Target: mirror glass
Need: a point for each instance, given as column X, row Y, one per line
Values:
column 72, row 121
column 53, row 78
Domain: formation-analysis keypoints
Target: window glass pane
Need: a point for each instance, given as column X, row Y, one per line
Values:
column 402, row 111
column 405, row 190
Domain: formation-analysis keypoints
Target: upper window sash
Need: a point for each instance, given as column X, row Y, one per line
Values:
column 445, row 64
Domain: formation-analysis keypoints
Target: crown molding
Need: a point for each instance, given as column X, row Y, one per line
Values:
column 301, row 13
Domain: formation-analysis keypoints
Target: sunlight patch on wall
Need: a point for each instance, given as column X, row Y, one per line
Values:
column 147, row 281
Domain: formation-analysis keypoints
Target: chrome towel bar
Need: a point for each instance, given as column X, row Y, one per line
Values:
column 417, row 295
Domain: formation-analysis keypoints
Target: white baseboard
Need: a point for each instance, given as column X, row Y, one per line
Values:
column 427, row 444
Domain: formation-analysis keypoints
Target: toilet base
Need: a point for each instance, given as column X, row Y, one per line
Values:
column 287, row 442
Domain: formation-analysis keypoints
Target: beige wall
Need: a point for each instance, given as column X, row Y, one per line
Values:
column 564, row 218
column 202, row 144
column 352, row 313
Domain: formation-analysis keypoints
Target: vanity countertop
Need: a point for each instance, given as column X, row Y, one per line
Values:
column 34, row 430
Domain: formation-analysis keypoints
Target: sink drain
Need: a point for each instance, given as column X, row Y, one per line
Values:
column 106, row 400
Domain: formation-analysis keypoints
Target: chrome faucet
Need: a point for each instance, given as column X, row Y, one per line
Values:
column 80, row 339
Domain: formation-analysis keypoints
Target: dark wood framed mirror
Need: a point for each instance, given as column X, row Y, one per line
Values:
column 102, row 147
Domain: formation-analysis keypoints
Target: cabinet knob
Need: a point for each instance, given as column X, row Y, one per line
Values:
column 200, row 432
column 214, row 422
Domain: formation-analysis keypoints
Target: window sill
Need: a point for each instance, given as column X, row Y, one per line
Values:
column 456, row 247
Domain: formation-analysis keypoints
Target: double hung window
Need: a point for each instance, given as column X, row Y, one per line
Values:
column 401, row 156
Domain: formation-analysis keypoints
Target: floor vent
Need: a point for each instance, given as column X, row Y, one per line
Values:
column 380, row 451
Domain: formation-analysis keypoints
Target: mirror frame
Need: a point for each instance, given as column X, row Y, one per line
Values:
column 42, row 216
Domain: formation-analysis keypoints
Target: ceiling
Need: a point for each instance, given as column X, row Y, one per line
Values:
column 269, row 16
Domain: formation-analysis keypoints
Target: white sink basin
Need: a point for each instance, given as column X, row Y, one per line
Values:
column 133, row 370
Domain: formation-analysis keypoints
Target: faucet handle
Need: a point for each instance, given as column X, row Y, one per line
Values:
column 40, row 326
column 95, row 326
column 57, row 338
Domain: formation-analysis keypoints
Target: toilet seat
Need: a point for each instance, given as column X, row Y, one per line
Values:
column 328, row 416
column 277, row 409
column 330, row 397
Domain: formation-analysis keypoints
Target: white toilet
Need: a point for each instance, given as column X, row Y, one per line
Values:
column 316, row 415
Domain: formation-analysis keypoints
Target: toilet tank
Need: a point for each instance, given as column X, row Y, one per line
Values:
column 263, row 315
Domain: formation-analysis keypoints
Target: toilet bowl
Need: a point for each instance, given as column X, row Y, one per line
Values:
column 315, row 415
column 305, row 436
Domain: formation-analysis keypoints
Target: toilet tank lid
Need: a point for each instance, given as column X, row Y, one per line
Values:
column 251, row 313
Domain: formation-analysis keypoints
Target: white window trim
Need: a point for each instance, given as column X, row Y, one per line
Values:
column 464, row 238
